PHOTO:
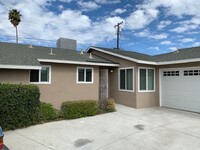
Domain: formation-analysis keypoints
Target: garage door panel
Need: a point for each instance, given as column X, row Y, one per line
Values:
column 181, row 91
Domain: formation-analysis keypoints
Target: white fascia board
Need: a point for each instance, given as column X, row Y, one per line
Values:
column 178, row 61
column 77, row 62
column 19, row 67
column 124, row 57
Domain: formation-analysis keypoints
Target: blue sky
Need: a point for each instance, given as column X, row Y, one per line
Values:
column 150, row 26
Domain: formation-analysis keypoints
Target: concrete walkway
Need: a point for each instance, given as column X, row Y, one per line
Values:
column 126, row 129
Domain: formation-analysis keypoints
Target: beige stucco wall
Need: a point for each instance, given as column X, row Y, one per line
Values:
column 147, row 99
column 14, row 76
column 134, row 99
column 121, row 97
column 63, row 85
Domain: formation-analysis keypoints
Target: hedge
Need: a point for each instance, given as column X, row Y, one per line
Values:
column 19, row 105
column 48, row 112
column 78, row 109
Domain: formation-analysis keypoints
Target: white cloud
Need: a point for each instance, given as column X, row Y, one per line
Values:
column 107, row 1
column 144, row 33
column 118, row 11
column 184, row 28
column 67, row 1
column 163, row 24
column 147, row 34
column 40, row 23
column 88, row 6
column 174, row 7
column 140, row 18
column 187, row 40
column 155, row 48
column 196, row 44
column 166, row 43
column 173, row 48
column 60, row 7
column 159, row 36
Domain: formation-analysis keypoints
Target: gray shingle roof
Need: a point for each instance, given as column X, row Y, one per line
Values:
column 20, row 54
column 181, row 54
column 130, row 54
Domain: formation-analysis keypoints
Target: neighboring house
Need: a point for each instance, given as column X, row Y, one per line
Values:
column 132, row 79
column 170, row 80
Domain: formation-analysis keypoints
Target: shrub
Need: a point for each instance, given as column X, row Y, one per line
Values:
column 48, row 112
column 77, row 109
column 107, row 105
column 110, row 105
column 19, row 105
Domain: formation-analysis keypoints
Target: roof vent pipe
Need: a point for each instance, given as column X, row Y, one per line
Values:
column 81, row 52
column 51, row 52
column 90, row 55
column 30, row 46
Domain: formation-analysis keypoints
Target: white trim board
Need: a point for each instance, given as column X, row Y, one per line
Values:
column 146, row 62
column 19, row 67
column 77, row 62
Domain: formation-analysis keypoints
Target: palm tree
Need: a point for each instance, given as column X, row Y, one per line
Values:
column 15, row 18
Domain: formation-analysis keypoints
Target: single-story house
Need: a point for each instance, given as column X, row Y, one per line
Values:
column 132, row 79
column 171, row 80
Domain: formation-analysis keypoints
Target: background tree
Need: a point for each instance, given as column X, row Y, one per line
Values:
column 15, row 18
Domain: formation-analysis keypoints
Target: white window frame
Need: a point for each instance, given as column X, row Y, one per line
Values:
column 146, row 79
column 41, row 82
column 77, row 74
column 125, row 68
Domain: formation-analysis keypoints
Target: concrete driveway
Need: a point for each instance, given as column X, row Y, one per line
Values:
column 126, row 129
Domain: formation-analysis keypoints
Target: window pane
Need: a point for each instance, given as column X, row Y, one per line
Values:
column 129, row 79
column 142, row 79
column 34, row 76
column 88, row 75
column 45, row 74
column 122, row 79
column 81, row 75
column 150, row 79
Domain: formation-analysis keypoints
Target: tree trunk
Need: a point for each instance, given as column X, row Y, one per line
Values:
column 16, row 34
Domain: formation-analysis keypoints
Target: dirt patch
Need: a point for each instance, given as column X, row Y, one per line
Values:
column 139, row 127
column 81, row 142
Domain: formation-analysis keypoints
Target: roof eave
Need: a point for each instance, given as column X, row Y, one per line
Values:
column 179, row 61
column 78, row 62
column 19, row 67
column 146, row 62
column 124, row 57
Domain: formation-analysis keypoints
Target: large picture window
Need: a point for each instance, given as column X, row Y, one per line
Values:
column 126, row 79
column 147, row 79
column 84, row 75
column 40, row 76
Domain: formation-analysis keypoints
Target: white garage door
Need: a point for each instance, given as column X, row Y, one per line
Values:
column 180, row 88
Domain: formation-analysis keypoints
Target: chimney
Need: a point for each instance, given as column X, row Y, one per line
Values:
column 66, row 43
